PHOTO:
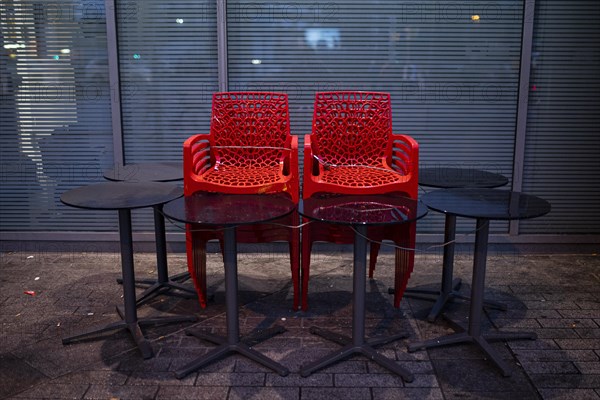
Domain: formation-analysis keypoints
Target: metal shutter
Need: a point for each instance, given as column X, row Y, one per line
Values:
column 452, row 69
column 562, row 154
column 54, row 113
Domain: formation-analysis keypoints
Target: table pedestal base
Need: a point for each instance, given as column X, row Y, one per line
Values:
column 441, row 298
column 134, row 329
column 169, row 287
column 350, row 348
column 164, row 284
column 232, row 342
column 480, row 340
column 473, row 333
column 242, row 347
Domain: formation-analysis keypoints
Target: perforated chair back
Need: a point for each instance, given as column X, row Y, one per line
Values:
column 352, row 128
column 249, row 128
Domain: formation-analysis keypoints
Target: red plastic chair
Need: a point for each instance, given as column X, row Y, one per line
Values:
column 352, row 150
column 249, row 150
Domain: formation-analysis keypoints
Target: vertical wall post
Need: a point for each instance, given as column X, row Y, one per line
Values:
column 114, row 81
column 522, row 103
column 222, row 45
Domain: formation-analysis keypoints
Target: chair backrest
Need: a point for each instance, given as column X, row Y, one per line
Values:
column 249, row 127
column 351, row 127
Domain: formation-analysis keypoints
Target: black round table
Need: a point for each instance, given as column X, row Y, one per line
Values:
column 156, row 172
column 146, row 172
column 359, row 212
column 452, row 177
column 226, row 211
column 483, row 205
column 124, row 197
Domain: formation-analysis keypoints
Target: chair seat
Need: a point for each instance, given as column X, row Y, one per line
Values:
column 243, row 176
column 360, row 176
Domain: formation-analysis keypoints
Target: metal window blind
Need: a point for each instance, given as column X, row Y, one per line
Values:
column 168, row 72
column 54, row 112
column 562, row 155
column 452, row 69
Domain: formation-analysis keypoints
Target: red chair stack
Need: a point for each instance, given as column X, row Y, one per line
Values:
column 352, row 150
column 249, row 150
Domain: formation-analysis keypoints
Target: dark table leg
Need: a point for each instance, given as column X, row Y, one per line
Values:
column 164, row 284
column 232, row 343
column 473, row 333
column 357, row 344
column 129, row 317
column 449, row 287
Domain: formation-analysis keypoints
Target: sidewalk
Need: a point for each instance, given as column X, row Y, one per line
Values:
column 557, row 296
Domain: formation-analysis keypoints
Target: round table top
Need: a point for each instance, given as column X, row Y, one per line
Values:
column 147, row 172
column 220, row 209
column 450, row 177
column 378, row 209
column 486, row 203
column 121, row 195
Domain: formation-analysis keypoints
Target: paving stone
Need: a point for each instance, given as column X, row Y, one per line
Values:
column 416, row 367
column 263, row 393
column 99, row 377
column 146, row 378
column 58, row 391
column 315, row 380
column 578, row 344
column 568, row 323
column 569, row 394
column 588, row 367
column 452, row 394
column 479, row 375
column 120, row 392
column 350, row 393
column 13, row 370
column 369, row 380
column 407, row 393
column 192, row 393
column 595, row 314
column 588, row 305
column 137, row 363
column 556, row 355
column 561, row 367
column 423, row 381
column 563, row 381
column 550, row 333
column 587, row 333
column 516, row 323
column 230, row 379
column 538, row 344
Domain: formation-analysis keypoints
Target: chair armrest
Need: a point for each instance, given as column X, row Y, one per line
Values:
column 292, row 157
column 290, row 166
column 311, row 168
column 405, row 155
column 196, row 155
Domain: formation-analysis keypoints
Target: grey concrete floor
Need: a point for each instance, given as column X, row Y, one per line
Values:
column 557, row 296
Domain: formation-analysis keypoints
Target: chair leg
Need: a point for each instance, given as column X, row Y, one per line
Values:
column 404, row 260
column 295, row 260
column 373, row 258
column 197, row 263
column 306, row 249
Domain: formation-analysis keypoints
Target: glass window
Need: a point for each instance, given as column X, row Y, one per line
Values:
column 55, row 111
column 452, row 68
column 168, row 71
column 562, row 147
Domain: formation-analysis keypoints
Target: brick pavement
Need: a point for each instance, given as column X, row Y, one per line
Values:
column 555, row 295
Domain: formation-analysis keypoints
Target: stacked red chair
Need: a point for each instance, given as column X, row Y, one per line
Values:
column 249, row 150
column 352, row 150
